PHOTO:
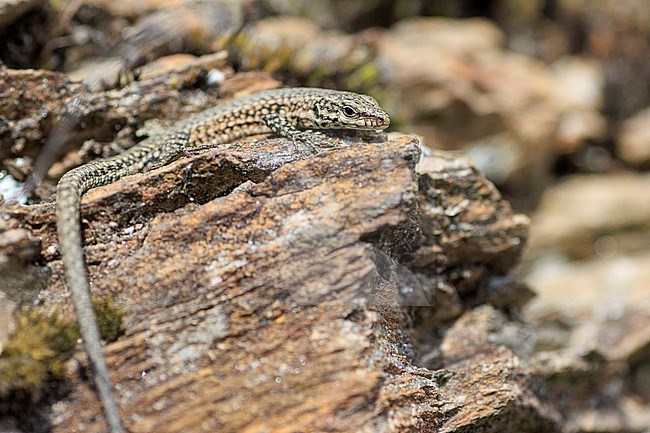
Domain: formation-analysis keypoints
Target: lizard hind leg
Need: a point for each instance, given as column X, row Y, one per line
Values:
column 164, row 150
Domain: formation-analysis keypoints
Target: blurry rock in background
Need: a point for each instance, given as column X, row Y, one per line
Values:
column 634, row 140
column 299, row 52
column 454, row 83
column 589, row 255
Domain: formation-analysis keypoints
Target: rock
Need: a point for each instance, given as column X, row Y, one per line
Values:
column 258, row 283
column 589, row 264
column 571, row 389
column 588, row 391
column 591, row 215
column 581, row 239
column 580, row 82
column 579, row 93
column 37, row 100
column 614, row 35
column 601, row 288
column 189, row 26
column 324, row 250
column 634, row 139
column 255, row 251
column 617, row 36
column 135, row 9
column 21, row 275
column 28, row 101
column 476, row 357
column 578, row 127
column 471, row 238
column 608, row 304
column 297, row 50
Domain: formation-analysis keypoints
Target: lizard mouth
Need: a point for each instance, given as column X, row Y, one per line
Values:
column 376, row 123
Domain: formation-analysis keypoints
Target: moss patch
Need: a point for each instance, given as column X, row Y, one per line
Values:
column 109, row 319
column 37, row 352
column 42, row 344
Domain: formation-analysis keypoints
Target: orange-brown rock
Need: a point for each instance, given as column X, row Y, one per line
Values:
column 266, row 291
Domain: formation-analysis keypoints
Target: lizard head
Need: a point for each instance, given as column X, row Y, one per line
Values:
column 346, row 110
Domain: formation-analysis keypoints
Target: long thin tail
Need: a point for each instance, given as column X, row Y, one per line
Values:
column 68, row 196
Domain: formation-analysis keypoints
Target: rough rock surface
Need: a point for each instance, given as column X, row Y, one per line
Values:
column 31, row 100
column 280, row 298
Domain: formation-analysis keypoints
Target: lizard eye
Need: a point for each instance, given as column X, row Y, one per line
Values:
column 349, row 111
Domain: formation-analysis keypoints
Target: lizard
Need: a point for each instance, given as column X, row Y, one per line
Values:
column 288, row 112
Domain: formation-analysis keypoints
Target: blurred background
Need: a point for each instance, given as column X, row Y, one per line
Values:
column 550, row 98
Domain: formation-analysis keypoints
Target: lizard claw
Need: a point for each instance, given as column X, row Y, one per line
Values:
column 305, row 147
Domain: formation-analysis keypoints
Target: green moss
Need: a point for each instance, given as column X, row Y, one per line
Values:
column 37, row 352
column 42, row 344
column 109, row 319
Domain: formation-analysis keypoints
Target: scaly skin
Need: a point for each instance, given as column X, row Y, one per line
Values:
column 284, row 111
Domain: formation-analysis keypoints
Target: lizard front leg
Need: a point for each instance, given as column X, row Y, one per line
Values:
column 302, row 140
